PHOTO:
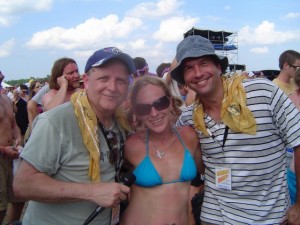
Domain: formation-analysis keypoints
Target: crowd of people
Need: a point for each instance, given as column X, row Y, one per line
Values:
column 204, row 146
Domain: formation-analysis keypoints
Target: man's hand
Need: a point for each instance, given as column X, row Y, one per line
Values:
column 294, row 215
column 10, row 152
column 62, row 80
column 110, row 194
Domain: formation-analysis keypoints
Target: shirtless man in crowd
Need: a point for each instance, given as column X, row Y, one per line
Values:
column 10, row 138
column 64, row 81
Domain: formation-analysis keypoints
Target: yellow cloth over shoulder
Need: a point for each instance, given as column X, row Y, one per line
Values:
column 234, row 113
column 88, row 124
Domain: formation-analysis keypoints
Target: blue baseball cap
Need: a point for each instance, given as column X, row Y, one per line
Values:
column 104, row 55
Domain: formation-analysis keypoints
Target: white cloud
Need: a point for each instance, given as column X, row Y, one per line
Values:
column 90, row 34
column 137, row 44
column 260, row 50
column 6, row 47
column 15, row 7
column 158, row 9
column 172, row 29
column 292, row 16
column 265, row 33
column 5, row 21
column 12, row 9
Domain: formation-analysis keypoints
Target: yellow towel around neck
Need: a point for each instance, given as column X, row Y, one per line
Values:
column 88, row 123
column 234, row 113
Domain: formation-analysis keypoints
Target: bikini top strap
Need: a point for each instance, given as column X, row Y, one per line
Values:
column 179, row 137
column 147, row 142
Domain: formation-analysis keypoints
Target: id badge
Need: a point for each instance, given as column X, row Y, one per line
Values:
column 115, row 215
column 223, row 178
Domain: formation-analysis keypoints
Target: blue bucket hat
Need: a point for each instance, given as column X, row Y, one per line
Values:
column 104, row 55
column 193, row 47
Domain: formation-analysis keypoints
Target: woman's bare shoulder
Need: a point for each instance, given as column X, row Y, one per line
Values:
column 186, row 131
column 133, row 144
column 189, row 136
column 135, row 149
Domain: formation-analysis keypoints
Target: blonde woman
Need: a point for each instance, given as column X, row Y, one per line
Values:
column 164, row 159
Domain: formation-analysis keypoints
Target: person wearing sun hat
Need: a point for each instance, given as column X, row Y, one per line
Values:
column 244, row 126
column 74, row 154
column 194, row 47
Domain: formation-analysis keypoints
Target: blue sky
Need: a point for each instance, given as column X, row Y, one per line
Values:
column 34, row 33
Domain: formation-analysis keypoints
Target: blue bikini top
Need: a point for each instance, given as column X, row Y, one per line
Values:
column 147, row 175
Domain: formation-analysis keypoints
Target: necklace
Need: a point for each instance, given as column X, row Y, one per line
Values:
column 160, row 154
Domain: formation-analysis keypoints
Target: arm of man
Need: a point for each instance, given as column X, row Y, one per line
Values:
column 12, row 151
column 191, row 137
column 16, row 133
column 31, row 184
column 294, row 211
column 14, row 106
column 54, row 98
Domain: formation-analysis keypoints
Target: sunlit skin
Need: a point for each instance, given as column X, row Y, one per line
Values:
column 204, row 77
column 156, row 121
column 37, row 86
column 107, row 87
column 68, row 83
column 23, row 93
column 72, row 75
column 169, row 202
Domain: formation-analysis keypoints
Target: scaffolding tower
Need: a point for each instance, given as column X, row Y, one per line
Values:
column 225, row 43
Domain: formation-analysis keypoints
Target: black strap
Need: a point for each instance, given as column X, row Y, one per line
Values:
column 120, row 148
column 104, row 132
column 225, row 135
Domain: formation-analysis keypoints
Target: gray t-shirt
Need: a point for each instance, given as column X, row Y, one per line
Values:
column 39, row 96
column 56, row 148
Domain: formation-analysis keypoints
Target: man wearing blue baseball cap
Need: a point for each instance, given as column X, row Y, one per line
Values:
column 244, row 127
column 74, row 154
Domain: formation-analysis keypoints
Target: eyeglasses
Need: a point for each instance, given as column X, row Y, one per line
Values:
column 160, row 104
column 295, row 67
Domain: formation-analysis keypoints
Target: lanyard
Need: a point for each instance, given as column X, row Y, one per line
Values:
column 225, row 136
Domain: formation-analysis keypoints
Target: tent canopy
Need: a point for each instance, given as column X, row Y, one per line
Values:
column 5, row 85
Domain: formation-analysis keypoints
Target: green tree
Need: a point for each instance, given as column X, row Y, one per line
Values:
column 25, row 80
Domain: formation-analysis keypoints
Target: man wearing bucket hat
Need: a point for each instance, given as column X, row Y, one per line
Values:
column 244, row 126
column 74, row 153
